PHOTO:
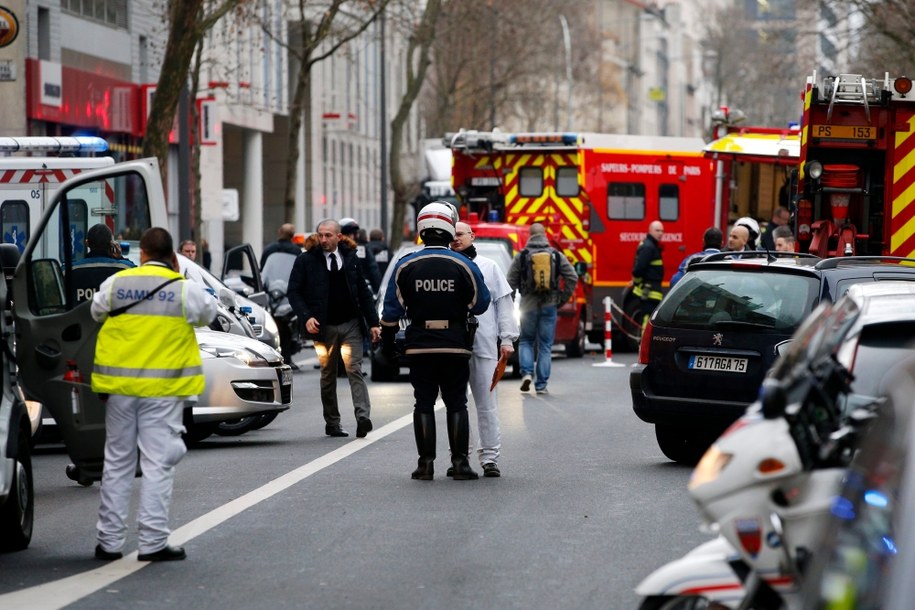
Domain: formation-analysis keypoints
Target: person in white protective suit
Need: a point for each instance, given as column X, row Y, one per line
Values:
column 148, row 363
column 496, row 324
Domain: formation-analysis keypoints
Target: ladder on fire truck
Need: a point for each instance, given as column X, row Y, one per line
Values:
column 852, row 89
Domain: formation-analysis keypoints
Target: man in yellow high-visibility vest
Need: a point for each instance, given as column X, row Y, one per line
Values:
column 148, row 363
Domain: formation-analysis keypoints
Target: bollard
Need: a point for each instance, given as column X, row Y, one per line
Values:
column 608, row 336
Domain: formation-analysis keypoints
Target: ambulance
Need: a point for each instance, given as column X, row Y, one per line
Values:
column 49, row 197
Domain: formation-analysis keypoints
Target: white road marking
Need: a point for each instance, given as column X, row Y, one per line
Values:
column 63, row 592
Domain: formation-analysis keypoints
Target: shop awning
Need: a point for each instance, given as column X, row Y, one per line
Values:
column 780, row 149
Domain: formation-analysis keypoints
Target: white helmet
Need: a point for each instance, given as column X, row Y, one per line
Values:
column 438, row 215
column 750, row 224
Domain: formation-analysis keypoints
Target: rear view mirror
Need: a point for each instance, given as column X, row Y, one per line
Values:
column 773, row 399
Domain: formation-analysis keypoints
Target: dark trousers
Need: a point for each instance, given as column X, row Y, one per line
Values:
column 431, row 373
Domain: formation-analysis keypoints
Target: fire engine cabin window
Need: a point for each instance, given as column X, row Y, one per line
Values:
column 626, row 201
column 669, row 202
column 531, row 182
column 14, row 223
column 567, row 181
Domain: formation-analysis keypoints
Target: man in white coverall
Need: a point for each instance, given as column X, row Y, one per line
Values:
column 497, row 322
column 148, row 363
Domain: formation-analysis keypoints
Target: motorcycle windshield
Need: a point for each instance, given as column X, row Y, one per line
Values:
column 277, row 268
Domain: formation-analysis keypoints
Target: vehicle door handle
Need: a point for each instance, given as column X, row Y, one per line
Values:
column 47, row 357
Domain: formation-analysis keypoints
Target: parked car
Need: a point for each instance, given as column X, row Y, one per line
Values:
column 265, row 327
column 245, row 379
column 712, row 339
column 864, row 559
column 497, row 250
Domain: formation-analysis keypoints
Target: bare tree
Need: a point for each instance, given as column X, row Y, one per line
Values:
column 321, row 24
column 886, row 35
column 418, row 58
column 188, row 22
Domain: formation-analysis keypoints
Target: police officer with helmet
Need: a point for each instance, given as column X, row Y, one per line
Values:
column 438, row 290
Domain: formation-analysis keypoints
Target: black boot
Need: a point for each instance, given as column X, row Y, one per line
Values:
column 458, row 437
column 424, row 432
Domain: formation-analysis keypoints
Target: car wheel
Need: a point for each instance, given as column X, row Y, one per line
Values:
column 264, row 419
column 18, row 512
column 576, row 348
column 198, row 432
column 681, row 445
column 237, row 427
column 382, row 372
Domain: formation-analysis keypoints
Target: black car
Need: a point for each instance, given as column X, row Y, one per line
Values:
column 710, row 342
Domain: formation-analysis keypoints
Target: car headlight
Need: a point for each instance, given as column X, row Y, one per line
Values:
column 709, row 467
column 247, row 356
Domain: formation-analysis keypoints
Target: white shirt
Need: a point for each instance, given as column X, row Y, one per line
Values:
column 335, row 254
column 498, row 321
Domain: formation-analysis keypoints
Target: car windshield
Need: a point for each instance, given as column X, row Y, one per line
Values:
column 738, row 299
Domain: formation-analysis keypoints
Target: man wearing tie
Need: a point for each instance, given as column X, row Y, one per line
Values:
column 327, row 290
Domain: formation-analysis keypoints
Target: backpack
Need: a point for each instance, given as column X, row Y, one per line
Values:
column 539, row 271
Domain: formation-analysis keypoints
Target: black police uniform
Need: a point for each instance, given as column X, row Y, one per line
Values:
column 436, row 289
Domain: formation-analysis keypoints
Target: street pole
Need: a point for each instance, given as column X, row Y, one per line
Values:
column 567, row 43
column 383, row 126
column 184, row 167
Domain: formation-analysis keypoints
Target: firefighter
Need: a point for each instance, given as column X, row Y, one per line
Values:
column 648, row 272
column 437, row 289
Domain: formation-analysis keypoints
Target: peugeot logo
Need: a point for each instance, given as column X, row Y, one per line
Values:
column 716, row 338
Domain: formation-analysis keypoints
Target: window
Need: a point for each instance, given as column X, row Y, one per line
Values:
column 567, row 181
column 109, row 12
column 626, row 201
column 14, row 223
column 669, row 202
column 531, row 182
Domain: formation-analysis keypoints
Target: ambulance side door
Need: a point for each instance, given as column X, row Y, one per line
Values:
column 55, row 333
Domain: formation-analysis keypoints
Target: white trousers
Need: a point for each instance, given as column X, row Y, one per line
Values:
column 154, row 426
column 487, row 404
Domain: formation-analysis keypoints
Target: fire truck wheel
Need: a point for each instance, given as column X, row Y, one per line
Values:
column 576, row 347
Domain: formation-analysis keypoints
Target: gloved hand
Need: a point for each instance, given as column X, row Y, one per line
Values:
column 388, row 335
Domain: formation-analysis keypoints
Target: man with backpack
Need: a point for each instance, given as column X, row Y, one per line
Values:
column 546, row 280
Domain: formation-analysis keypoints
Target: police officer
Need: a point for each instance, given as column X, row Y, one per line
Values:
column 648, row 271
column 148, row 362
column 436, row 288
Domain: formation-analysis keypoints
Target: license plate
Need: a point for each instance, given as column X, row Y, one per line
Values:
column 718, row 363
column 844, row 132
column 484, row 181
column 286, row 376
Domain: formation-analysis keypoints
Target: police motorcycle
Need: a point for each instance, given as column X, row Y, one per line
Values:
column 765, row 487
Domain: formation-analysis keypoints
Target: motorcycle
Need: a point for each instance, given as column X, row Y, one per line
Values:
column 765, row 487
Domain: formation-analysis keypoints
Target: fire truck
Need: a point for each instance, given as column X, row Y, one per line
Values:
column 756, row 167
column 857, row 172
column 595, row 194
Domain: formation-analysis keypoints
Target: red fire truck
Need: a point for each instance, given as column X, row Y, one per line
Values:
column 856, row 189
column 596, row 194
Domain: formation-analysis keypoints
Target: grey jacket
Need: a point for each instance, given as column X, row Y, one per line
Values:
column 538, row 243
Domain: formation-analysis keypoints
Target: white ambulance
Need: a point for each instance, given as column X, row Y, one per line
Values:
column 47, row 203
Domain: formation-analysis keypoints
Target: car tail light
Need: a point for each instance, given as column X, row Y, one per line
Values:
column 645, row 344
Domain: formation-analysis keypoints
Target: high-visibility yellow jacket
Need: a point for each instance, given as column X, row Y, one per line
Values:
column 150, row 349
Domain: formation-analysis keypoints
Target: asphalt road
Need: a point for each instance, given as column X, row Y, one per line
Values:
column 286, row 517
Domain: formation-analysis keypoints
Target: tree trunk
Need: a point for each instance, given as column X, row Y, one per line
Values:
column 296, row 111
column 418, row 50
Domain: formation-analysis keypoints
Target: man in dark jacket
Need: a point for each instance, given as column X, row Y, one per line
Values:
column 328, row 292
column 436, row 288
column 283, row 243
column 648, row 271
column 379, row 249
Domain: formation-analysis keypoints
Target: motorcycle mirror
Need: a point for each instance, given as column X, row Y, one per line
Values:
column 773, row 399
